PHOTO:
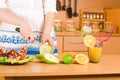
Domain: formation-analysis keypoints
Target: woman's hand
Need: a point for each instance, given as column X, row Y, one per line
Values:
column 49, row 20
column 46, row 38
column 11, row 18
column 26, row 31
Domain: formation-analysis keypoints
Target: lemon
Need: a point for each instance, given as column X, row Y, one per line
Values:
column 81, row 59
column 67, row 59
column 89, row 40
column 45, row 48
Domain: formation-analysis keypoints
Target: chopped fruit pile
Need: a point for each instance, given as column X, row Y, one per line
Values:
column 71, row 57
column 89, row 40
column 12, row 54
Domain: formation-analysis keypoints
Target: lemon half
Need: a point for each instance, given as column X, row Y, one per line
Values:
column 81, row 59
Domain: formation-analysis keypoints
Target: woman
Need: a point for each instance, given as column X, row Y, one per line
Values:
column 34, row 18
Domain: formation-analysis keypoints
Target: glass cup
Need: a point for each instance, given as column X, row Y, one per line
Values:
column 95, row 52
column 58, row 25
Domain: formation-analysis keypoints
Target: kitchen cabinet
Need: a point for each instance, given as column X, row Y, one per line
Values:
column 112, row 46
column 74, row 43
column 113, row 15
column 60, row 44
column 94, row 18
column 71, row 41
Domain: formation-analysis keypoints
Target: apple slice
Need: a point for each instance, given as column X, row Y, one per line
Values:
column 50, row 59
column 45, row 48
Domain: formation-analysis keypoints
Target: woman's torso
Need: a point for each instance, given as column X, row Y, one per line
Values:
column 31, row 10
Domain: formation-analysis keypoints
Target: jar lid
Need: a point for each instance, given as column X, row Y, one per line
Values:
column 70, row 21
column 108, row 23
column 57, row 20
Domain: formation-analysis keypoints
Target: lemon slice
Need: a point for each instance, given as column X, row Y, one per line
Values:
column 81, row 59
column 45, row 48
column 89, row 41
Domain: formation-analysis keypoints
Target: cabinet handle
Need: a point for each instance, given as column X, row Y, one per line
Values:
column 75, row 42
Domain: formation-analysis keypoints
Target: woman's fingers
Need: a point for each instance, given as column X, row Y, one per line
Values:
column 50, row 42
column 30, row 38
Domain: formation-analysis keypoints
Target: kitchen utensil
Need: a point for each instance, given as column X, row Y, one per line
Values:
column 58, row 5
column 64, row 6
column 75, row 14
column 18, row 30
column 69, row 10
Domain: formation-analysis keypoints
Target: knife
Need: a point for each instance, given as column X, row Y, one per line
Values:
column 18, row 30
column 69, row 9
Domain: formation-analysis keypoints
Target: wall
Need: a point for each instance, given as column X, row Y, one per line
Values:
column 62, row 15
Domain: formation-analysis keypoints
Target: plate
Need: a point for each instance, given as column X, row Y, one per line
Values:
column 7, row 61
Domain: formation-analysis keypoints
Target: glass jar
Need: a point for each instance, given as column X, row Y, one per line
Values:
column 70, row 26
column 94, row 15
column 108, row 27
column 58, row 25
column 95, row 27
column 84, row 15
column 101, row 16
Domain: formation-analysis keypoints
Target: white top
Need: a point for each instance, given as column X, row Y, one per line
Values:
column 33, row 11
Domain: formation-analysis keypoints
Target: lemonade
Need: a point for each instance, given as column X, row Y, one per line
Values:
column 95, row 54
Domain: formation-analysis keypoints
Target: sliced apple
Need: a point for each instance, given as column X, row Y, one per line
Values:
column 45, row 48
column 50, row 59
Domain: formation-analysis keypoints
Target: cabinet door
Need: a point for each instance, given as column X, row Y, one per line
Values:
column 60, row 44
column 74, row 43
column 113, row 15
column 112, row 46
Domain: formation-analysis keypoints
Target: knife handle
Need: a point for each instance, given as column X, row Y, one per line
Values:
column 18, row 30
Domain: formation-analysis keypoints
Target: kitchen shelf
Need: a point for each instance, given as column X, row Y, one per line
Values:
column 94, row 18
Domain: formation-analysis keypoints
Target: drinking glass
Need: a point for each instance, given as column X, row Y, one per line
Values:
column 95, row 52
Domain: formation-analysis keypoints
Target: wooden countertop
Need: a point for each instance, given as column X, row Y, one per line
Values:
column 64, row 33
column 109, row 64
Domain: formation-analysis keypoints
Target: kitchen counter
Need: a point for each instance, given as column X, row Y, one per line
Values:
column 64, row 33
column 108, row 66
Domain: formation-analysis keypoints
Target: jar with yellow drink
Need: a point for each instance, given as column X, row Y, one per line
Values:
column 95, row 48
column 95, row 52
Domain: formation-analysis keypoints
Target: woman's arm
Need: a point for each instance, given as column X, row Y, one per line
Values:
column 11, row 18
column 48, row 24
column 49, row 11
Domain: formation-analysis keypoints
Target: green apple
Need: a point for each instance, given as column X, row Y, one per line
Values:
column 50, row 59
column 39, row 56
column 45, row 48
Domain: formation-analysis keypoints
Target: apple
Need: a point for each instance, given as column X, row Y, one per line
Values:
column 45, row 48
column 50, row 59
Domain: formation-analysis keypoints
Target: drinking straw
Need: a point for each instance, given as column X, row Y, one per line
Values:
column 108, row 37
